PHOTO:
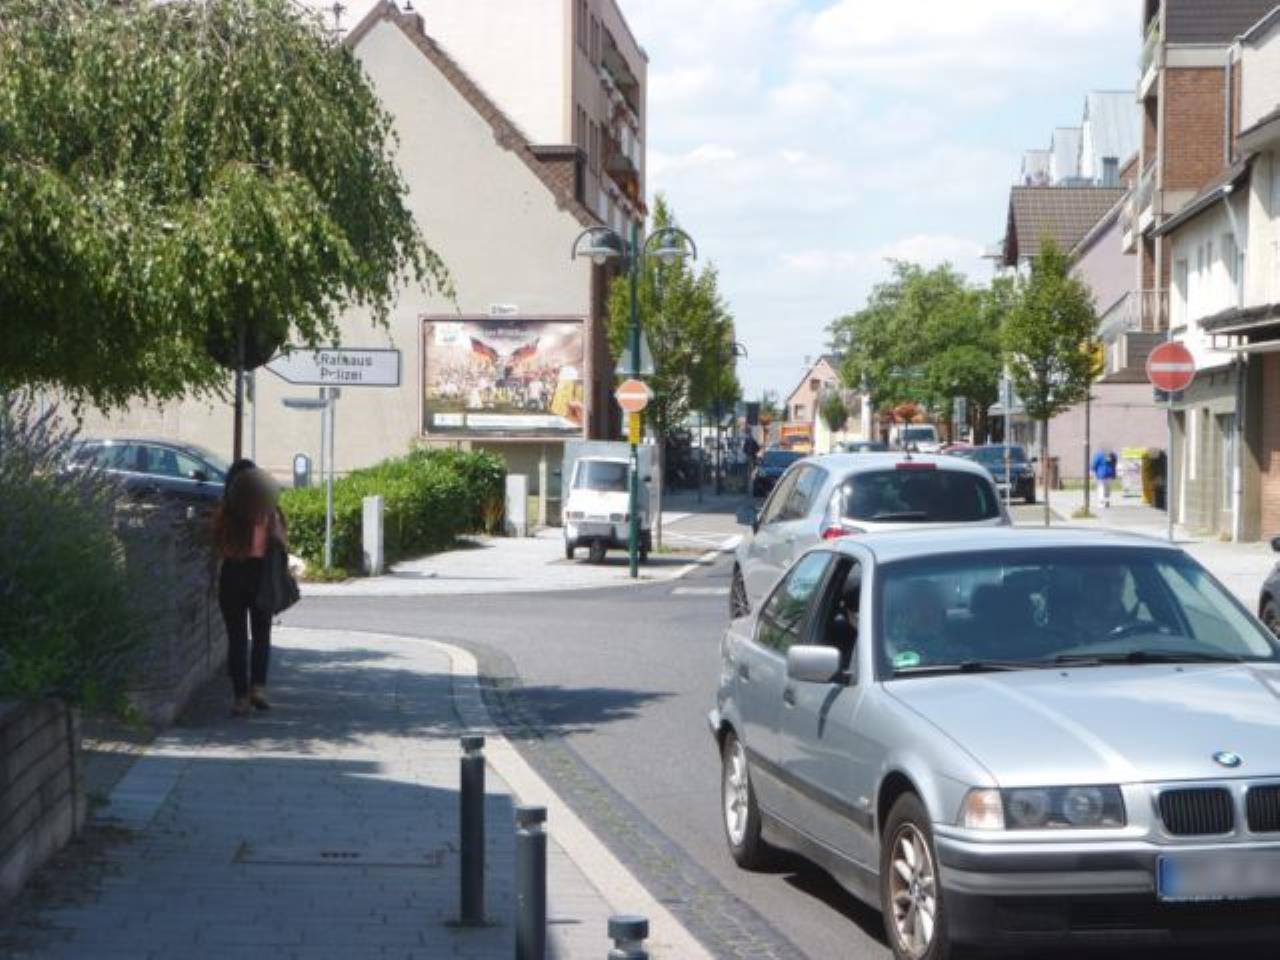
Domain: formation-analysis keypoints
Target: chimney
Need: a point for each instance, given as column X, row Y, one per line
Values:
column 1110, row 171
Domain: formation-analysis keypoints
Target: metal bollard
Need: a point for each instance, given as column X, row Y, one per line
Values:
column 628, row 933
column 471, row 841
column 531, row 883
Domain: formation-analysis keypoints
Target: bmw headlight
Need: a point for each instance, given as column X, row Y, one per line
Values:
column 1044, row 808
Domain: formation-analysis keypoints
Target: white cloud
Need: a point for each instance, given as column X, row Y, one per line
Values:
column 928, row 250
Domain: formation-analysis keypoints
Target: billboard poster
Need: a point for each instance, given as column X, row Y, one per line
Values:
column 503, row 377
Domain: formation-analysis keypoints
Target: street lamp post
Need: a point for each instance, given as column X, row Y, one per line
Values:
column 666, row 245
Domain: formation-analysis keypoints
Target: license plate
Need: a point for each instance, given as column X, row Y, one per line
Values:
column 1206, row 875
column 591, row 529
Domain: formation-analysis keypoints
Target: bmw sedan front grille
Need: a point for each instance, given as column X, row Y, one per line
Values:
column 1263, row 809
column 1204, row 811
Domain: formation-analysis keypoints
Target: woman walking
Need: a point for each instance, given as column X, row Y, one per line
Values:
column 244, row 526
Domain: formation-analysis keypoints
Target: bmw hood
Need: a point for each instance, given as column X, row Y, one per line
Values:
column 1111, row 724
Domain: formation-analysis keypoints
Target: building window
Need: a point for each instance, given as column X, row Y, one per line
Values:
column 1193, row 445
column 1181, row 270
column 594, row 51
column 1234, row 262
column 1227, row 431
column 581, row 26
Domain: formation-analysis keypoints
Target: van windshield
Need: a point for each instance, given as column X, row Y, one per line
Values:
column 603, row 476
column 919, row 433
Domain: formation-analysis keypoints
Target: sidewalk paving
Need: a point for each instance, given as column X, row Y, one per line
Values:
column 325, row 828
column 1242, row 567
column 533, row 564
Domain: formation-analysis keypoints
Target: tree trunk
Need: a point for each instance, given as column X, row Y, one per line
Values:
column 1045, row 465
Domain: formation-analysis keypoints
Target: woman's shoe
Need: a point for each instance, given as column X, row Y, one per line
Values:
column 258, row 697
column 242, row 707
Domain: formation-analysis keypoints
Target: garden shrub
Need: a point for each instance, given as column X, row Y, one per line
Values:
column 429, row 499
column 72, row 611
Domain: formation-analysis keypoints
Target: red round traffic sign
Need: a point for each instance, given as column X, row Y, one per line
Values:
column 1170, row 367
column 633, row 395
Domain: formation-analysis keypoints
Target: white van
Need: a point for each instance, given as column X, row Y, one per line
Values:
column 920, row 437
column 596, row 514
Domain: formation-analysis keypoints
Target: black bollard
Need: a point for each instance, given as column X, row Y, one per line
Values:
column 471, row 841
column 531, row 883
column 628, row 934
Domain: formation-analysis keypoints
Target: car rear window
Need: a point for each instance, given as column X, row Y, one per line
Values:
column 780, row 458
column 989, row 455
column 603, row 476
column 918, row 496
column 917, row 434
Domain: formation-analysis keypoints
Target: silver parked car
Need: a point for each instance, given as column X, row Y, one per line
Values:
column 827, row 497
column 1010, row 737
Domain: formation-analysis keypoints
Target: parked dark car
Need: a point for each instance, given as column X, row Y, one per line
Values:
column 773, row 465
column 158, row 471
column 865, row 446
column 1269, row 603
column 1021, row 481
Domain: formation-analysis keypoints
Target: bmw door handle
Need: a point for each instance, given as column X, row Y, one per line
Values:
column 789, row 696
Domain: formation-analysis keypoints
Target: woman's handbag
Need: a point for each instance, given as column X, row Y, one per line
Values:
column 277, row 591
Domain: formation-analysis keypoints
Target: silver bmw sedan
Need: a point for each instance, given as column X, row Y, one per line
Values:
column 1013, row 737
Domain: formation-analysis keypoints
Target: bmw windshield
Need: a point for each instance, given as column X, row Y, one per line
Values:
column 1077, row 606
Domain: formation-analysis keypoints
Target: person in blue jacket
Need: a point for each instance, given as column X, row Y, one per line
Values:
column 1104, row 471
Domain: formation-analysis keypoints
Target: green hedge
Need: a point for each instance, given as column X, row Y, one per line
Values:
column 430, row 498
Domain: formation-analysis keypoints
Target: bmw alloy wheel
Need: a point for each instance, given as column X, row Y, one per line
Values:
column 737, row 787
column 913, row 885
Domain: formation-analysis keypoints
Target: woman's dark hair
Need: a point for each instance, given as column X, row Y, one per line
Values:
column 233, row 471
column 249, row 496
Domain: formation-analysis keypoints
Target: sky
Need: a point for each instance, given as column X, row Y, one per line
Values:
column 805, row 142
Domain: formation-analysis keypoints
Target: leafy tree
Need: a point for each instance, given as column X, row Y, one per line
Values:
column 770, row 405
column 689, row 330
column 926, row 337
column 1048, row 338
column 172, row 173
column 834, row 411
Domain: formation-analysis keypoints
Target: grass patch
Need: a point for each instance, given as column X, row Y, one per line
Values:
column 1083, row 514
column 325, row 575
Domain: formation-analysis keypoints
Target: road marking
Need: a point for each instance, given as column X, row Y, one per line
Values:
column 700, row 592
column 708, row 557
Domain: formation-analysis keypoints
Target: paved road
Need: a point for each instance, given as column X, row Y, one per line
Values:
column 612, row 689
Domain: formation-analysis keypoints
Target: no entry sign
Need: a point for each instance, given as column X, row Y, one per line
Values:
column 633, row 395
column 1170, row 367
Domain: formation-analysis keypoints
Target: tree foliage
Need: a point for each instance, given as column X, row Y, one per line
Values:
column 689, row 330
column 834, row 411
column 171, row 172
column 925, row 336
column 1048, row 337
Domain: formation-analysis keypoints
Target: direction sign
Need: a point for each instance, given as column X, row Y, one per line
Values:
column 633, row 395
column 338, row 366
column 1170, row 367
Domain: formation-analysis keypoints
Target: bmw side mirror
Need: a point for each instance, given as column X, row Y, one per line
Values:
column 816, row 664
column 200, row 476
column 1275, row 544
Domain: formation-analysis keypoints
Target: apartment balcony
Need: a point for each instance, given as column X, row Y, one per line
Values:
column 622, row 165
column 1139, row 210
column 619, row 75
column 1151, row 59
column 1130, row 329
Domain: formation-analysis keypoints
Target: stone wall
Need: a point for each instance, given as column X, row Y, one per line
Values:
column 42, row 803
column 187, row 640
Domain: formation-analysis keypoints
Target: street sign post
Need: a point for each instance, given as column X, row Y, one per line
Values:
column 1170, row 368
column 337, row 367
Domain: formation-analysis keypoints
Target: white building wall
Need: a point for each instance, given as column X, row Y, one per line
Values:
column 517, row 51
column 480, row 207
column 1261, row 62
column 1262, row 267
column 1207, row 256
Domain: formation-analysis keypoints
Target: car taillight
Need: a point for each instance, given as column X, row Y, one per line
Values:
column 835, row 531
